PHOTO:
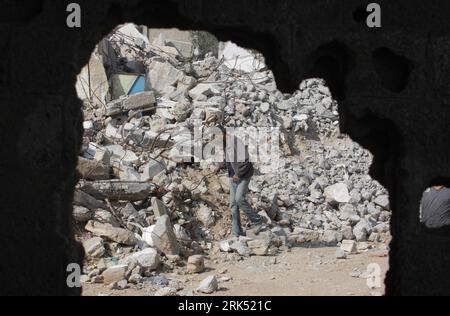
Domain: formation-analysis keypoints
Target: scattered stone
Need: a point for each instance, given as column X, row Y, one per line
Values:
column 204, row 90
column 162, row 75
column 128, row 211
column 382, row 200
column 337, row 193
column 264, row 107
column 163, row 236
column 332, row 237
column 374, row 237
column 362, row 230
column 362, row 246
column 81, row 214
column 340, row 254
column 208, row 285
column 119, row 154
column 205, row 216
column 127, row 173
column 135, row 279
column 258, row 247
column 114, row 274
column 241, row 248
column 225, row 245
column 286, row 105
column 122, row 284
column 222, row 270
column 151, row 169
column 94, row 247
column 117, row 234
column 159, row 209
column 347, row 232
column 181, row 233
column 348, row 246
column 381, row 228
column 106, row 217
column 139, row 101
column 348, row 213
column 92, row 169
column 225, row 279
column 195, row 264
column 84, row 278
column 81, row 198
column 158, row 280
column 166, row 291
column 148, row 259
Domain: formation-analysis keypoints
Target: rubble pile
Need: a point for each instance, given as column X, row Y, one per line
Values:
column 142, row 208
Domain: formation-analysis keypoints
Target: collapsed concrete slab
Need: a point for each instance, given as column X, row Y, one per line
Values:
column 92, row 84
column 139, row 101
column 162, row 75
column 117, row 234
column 115, row 190
column 83, row 199
column 202, row 91
column 164, row 238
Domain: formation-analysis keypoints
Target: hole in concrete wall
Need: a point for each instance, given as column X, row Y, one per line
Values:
column 434, row 213
column 332, row 62
column 146, row 91
column 393, row 70
column 382, row 138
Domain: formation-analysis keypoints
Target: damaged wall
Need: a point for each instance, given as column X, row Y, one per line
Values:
column 392, row 85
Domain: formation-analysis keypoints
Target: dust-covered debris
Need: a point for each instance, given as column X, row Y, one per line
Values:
column 145, row 206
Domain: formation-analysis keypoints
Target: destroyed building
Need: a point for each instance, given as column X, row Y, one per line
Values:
column 391, row 85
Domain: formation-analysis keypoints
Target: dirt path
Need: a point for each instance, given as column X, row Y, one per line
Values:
column 301, row 271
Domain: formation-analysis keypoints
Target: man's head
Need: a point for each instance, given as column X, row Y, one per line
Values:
column 439, row 183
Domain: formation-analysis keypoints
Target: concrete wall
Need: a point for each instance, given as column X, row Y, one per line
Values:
column 392, row 82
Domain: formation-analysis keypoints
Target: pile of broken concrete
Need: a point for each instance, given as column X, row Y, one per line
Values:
column 142, row 209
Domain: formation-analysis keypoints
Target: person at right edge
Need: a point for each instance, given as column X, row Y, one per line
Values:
column 435, row 207
column 240, row 170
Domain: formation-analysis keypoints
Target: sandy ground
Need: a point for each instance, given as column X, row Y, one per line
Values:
column 300, row 271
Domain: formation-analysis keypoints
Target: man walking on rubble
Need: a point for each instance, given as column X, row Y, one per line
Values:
column 435, row 207
column 240, row 170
